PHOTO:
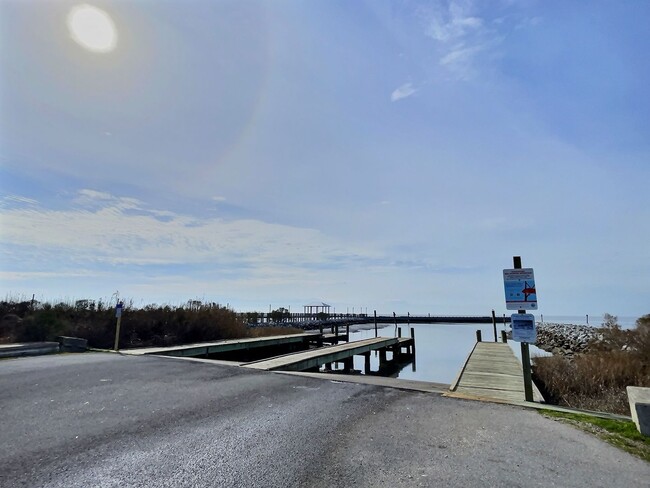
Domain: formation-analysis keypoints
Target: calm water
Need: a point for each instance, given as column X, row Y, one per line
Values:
column 441, row 349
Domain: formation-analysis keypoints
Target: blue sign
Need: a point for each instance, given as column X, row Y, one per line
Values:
column 519, row 285
column 118, row 310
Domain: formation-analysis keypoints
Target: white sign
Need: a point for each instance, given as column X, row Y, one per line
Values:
column 523, row 327
column 519, row 285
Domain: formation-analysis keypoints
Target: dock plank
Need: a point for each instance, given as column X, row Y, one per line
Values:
column 301, row 361
column 493, row 371
column 220, row 346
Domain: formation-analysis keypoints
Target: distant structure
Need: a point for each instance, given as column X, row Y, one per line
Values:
column 316, row 308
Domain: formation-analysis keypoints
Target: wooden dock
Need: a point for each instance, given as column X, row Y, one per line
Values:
column 313, row 359
column 493, row 371
column 206, row 348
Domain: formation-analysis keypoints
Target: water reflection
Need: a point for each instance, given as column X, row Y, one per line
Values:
column 441, row 350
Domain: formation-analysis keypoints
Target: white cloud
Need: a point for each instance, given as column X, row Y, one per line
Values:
column 461, row 34
column 404, row 91
column 11, row 200
column 453, row 24
column 122, row 230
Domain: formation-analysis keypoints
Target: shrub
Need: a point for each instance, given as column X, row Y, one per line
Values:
column 149, row 326
column 43, row 325
column 596, row 380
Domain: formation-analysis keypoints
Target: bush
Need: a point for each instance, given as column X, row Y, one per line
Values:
column 149, row 326
column 43, row 325
column 597, row 380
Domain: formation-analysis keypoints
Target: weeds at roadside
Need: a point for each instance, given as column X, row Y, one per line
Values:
column 620, row 433
column 597, row 379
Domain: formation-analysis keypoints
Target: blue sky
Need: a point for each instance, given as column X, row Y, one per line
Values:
column 392, row 155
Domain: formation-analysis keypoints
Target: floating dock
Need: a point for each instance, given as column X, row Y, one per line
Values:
column 492, row 371
column 313, row 359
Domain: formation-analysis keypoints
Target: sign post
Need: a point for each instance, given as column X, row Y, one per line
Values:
column 521, row 294
column 118, row 314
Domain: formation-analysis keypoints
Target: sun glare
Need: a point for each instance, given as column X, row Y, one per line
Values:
column 92, row 28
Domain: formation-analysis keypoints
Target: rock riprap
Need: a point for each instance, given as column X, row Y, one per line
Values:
column 566, row 339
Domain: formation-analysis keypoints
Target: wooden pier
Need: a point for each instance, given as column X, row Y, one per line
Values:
column 207, row 348
column 492, row 371
column 313, row 359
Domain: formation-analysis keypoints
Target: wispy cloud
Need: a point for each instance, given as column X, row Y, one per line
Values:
column 454, row 23
column 13, row 200
column 403, row 91
column 462, row 34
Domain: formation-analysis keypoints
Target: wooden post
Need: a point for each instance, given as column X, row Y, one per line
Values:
column 347, row 332
column 399, row 332
column 375, row 323
column 504, row 337
column 528, row 377
column 118, row 313
column 366, row 362
column 478, row 335
column 413, row 343
column 494, row 325
column 348, row 364
column 382, row 356
column 525, row 351
column 117, row 334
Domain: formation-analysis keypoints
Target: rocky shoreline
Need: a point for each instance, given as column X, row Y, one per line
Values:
column 566, row 339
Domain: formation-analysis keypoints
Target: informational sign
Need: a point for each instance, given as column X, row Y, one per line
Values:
column 118, row 310
column 523, row 327
column 520, row 290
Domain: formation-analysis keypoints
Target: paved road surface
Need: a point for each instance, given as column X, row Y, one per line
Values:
column 95, row 420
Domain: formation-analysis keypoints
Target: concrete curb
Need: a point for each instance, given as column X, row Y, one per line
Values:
column 28, row 349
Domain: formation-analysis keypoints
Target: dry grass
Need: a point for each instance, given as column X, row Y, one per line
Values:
column 596, row 380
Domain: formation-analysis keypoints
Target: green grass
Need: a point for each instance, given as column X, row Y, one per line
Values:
column 620, row 433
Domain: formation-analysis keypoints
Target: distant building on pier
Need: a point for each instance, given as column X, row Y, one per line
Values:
column 316, row 308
